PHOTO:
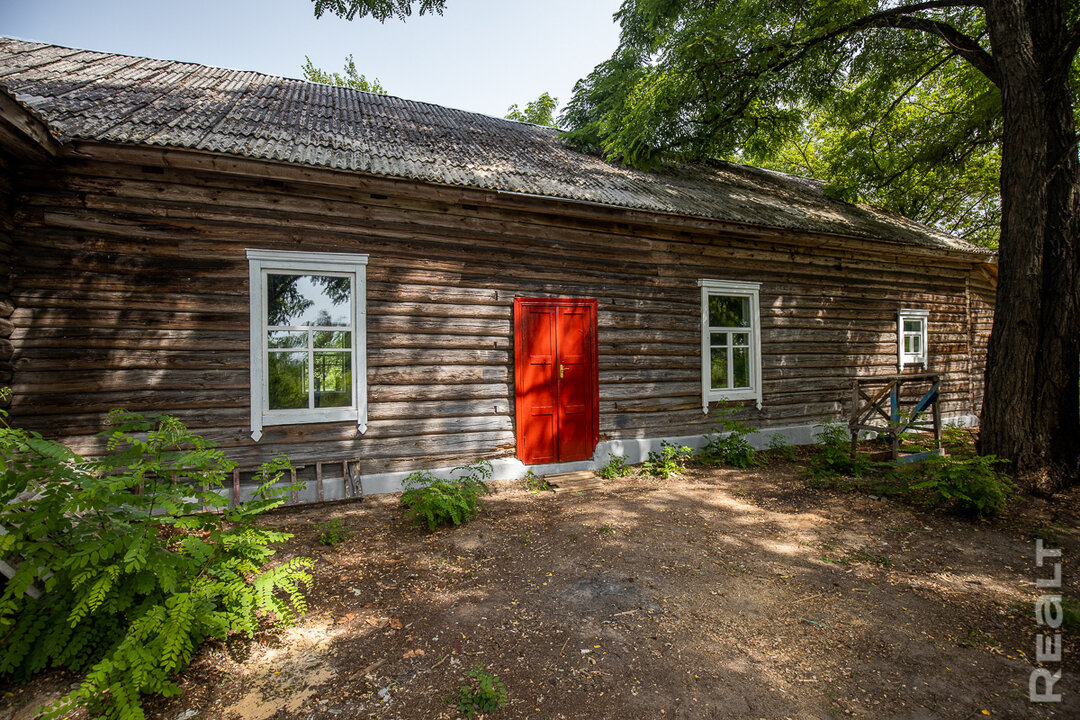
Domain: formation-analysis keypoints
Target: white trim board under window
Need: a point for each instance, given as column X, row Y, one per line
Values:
column 308, row 338
column 911, row 336
column 730, row 342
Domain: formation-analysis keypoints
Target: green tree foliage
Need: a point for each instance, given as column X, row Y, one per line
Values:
column 121, row 574
column 907, row 153
column 896, row 119
column 381, row 10
column 350, row 79
column 540, row 111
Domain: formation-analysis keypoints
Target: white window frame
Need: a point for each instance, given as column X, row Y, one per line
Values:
column 735, row 289
column 265, row 262
column 923, row 317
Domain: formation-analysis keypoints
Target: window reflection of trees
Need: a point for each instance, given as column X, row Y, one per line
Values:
column 287, row 302
column 327, row 347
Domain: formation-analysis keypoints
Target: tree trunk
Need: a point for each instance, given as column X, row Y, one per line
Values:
column 1031, row 413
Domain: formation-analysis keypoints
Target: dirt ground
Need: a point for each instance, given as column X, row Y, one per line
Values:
column 718, row 594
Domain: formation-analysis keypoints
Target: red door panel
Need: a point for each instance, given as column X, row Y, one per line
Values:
column 573, row 365
column 556, row 379
column 538, row 380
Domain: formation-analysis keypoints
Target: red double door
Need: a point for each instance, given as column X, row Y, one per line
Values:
column 556, row 379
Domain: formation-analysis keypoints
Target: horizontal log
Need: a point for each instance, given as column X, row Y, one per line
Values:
column 378, row 393
column 421, row 408
column 633, row 391
column 398, row 357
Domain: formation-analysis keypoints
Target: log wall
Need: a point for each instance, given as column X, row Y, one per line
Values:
column 982, row 289
column 132, row 291
column 7, row 248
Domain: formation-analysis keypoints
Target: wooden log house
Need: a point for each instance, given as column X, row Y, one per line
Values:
column 366, row 282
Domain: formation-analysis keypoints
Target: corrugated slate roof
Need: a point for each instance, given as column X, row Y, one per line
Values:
column 86, row 95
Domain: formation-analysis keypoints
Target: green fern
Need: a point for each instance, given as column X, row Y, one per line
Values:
column 433, row 502
column 134, row 574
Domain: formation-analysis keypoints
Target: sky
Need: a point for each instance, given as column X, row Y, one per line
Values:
column 480, row 55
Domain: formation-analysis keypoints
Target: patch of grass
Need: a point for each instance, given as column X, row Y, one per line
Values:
column 978, row 639
column 669, row 460
column 484, row 693
column 605, row 530
column 615, row 467
column 333, row 532
column 1050, row 534
column 865, row 557
column 434, row 502
column 1071, row 621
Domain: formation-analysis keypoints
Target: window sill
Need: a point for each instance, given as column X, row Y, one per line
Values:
column 309, row 417
column 717, row 396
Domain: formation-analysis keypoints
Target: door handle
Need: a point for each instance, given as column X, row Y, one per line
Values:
column 560, row 371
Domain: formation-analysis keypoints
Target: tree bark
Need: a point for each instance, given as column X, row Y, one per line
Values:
column 1031, row 413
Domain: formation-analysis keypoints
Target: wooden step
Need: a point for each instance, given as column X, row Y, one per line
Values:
column 575, row 481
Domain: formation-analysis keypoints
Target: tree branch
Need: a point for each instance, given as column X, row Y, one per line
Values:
column 964, row 45
column 900, row 18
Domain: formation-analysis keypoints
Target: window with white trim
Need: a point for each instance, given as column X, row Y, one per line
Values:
column 911, row 336
column 730, row 342
column 308, row 338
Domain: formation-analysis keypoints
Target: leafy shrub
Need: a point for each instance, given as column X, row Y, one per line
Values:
column 729, row 446
column 969, row 485
column 669, row 460
column 333, row 532
column 779, row 445
column 485, row 694
column 834, row 459
column 615, row 467
column 535, row 483
column 121, row 575
column 429, row 500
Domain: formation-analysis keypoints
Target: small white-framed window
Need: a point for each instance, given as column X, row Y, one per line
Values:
column 730, row 342
column 911, row 336
column 308, row 338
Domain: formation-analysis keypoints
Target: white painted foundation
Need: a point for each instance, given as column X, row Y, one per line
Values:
column 635, row 450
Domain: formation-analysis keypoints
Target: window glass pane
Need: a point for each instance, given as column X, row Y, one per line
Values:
column 719, row 368
column 333, row 379
column 741, row 366
column 729, row 311
column 308, row 300
column 907, row 344
column 287, row 375
column 913, row 326
column 740, row 339
column 286, row 339
column 916, row 344
column 719, row 338
column 327, row 339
